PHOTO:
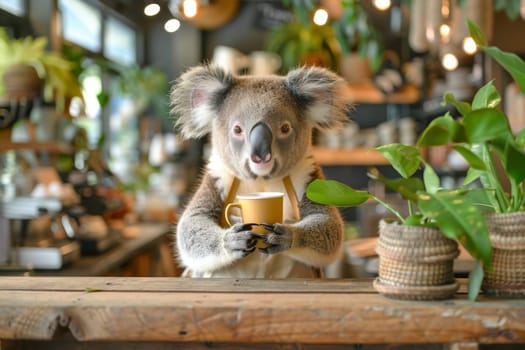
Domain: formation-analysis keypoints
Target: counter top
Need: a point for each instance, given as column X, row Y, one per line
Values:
column 136, row 238
column 239, row 311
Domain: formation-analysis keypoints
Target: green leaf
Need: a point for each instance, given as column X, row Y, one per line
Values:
column 459, row 219
column 520, row 138
column 332, row 192
column 479, row 197
column 405, row 159
column 407, row 188
column 473, row 160
column 103, row 98
column 486, row 97
column 416, row 220
column 475, row 279
column 441, row 131
column 462, row 107
column 512, row 64
column 485, row 124
column 511, row 7
column 513, row 161
column 472, row 175
column 476, row 33
column 430, row 179
column 488, row 181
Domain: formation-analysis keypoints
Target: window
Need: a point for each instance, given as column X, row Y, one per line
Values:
column 16, row 7
column 81, row 24
column 119, row 42
column 104, row 33
column 90, row 109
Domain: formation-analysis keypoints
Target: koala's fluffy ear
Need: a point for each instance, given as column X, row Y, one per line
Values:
column 321, row 94
column 196, row 97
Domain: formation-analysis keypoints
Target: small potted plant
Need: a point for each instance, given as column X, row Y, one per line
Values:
column 28, row 70
column 300, row 42
column 496, row 156
column 349, row 43
column 416, row 252
column 359, row 41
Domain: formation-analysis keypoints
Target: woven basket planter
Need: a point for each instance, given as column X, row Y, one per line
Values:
column 507, row 235
column 415, row 263
column 21, row 81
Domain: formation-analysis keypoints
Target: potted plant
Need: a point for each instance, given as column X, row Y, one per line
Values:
column 334, row 45
column 359, row 41
column 482, row 135
column 27, row 70
column 300, row 42
column 416, row 251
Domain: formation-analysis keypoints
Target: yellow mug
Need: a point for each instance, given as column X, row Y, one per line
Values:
column 258, row 208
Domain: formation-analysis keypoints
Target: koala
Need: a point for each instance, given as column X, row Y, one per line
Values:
column 261, row 130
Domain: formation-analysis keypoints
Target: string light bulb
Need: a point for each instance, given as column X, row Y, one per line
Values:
column 382, row 5
column 320, row 17
column 449, row 61
column 189, row 8
column 444, row 31
column 469, row 45
column 152, row 9
column 172, row 25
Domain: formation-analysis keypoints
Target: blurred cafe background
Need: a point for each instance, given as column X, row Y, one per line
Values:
column 92, row 173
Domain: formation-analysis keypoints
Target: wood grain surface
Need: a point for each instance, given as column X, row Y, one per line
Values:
column 245, row 311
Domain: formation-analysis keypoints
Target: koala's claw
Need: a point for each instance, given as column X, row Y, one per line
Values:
column 243, row 227
column 250, row 248
column 269, row 249
column 277, row 241
column 238, row 240
column 273, row 228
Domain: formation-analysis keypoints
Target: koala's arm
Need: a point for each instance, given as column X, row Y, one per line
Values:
column 315, row 239
column 202, row 245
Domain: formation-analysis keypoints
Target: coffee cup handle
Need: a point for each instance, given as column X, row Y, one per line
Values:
column 227, row 211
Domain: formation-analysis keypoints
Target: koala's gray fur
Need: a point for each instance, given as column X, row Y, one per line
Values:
column 207, row 100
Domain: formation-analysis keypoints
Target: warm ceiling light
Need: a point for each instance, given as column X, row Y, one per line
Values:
column 189, row 8
column 469, row 45
column 444, row 31
column 172, row 25
column 152, row 9
column 449, row 61
column 382, row 4
column 320, row 17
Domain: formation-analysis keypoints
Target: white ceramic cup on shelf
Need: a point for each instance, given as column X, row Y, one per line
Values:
column 230, row 59
column 264, row 63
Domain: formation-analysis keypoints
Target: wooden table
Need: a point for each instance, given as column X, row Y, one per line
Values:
column 166, row 313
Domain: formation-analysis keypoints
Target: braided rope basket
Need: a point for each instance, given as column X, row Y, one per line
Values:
column 507, row 235
column 415, row 263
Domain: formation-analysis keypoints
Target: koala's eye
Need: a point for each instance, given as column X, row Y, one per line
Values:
column 286, row 128
column 237, row 130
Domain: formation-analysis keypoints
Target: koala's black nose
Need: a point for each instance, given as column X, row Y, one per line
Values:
column 261, row 143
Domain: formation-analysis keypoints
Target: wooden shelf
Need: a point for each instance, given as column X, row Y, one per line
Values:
column 368, row 93
column 51, row 147
column 351, row 156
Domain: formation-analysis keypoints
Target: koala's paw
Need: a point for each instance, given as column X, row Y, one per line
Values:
column 239, row 240
column 278, row 241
